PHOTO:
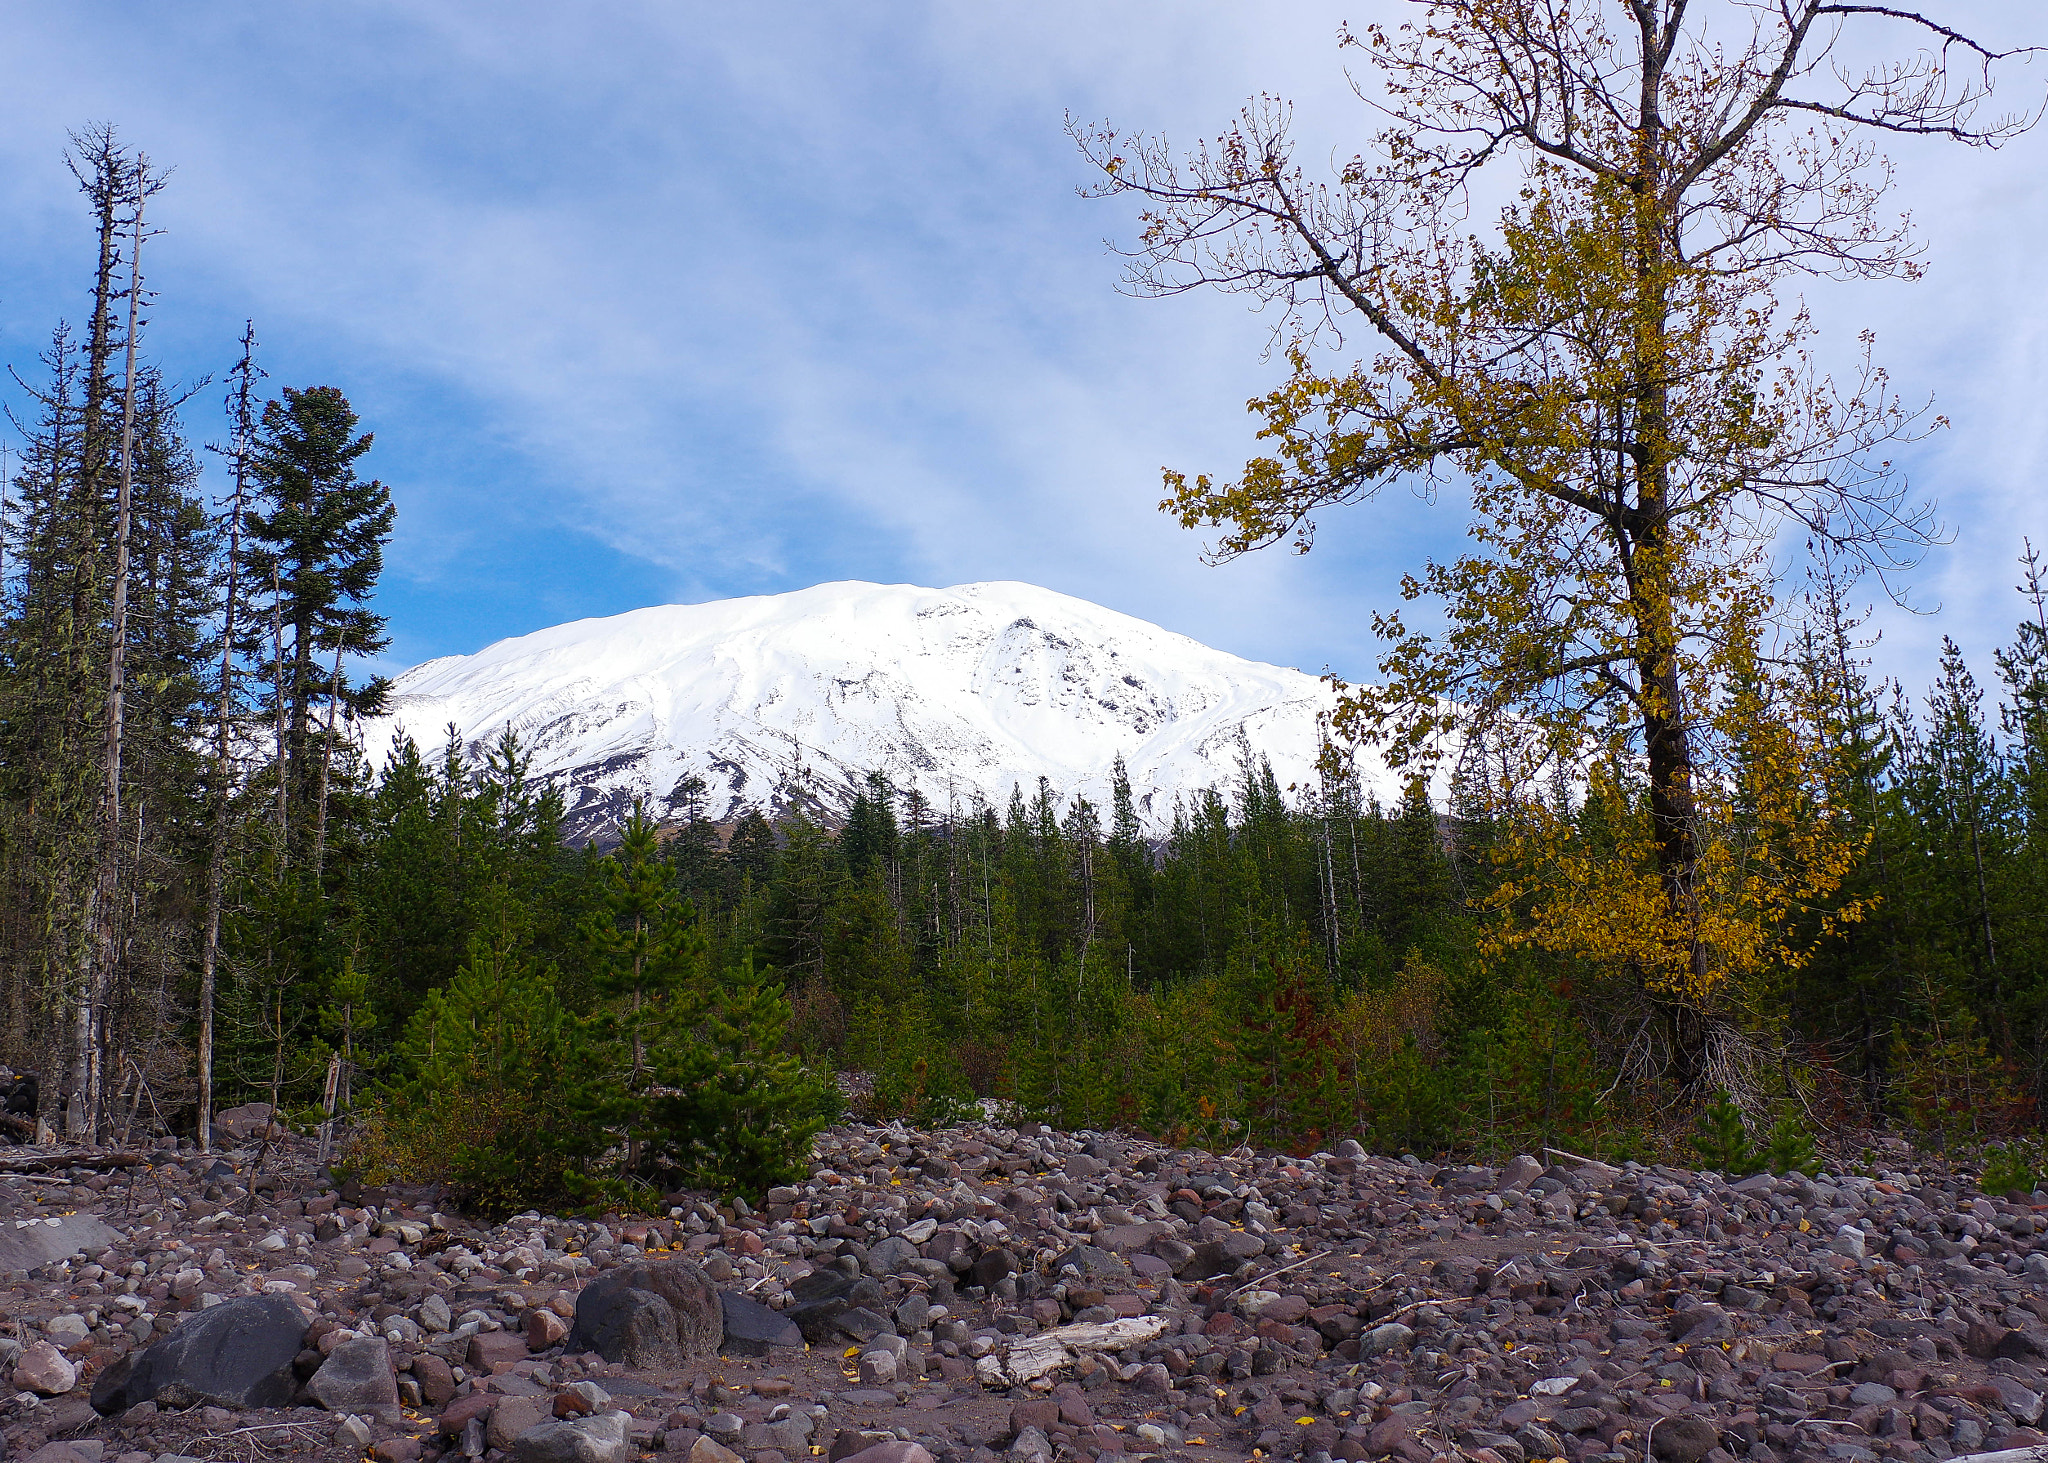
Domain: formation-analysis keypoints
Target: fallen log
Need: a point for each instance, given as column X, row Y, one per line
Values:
column 50, row 1162
column 1048, row 1351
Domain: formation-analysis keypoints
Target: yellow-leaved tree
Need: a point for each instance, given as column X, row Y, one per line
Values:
column 1617, row 377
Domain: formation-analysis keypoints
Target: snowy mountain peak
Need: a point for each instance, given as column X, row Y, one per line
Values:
column 960, row 693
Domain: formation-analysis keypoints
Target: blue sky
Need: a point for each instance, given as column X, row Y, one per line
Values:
column 669, row 302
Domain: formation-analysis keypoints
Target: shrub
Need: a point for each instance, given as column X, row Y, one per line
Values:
column 2014, row 1167
column 490, row 1070
column 1722, row 1139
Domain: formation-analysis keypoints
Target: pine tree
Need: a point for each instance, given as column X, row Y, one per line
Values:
column 647, row 972
column 734, row 1111
column 316, row 552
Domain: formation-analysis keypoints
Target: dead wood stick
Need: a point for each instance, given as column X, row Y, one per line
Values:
column 45, row 1162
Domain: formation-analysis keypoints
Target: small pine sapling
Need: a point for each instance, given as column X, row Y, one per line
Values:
column 1722, row 1140
column 1789, row 1149
column 734, row 1110
column 2014, row 1168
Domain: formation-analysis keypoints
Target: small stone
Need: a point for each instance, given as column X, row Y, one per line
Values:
column 877, row 1368
column 459, row 1413
column 44, row 1370
column 435, row 1377
column 544, row 1329
column 891, row 1452
column 352, row 1432
column 891, row 1256
column 1684, row 1440
column 512, row 1418
column 707, row 1450
column 914, row 1313
column 992, row 1267
column 434, row 1314
column 490, row 1351
column 1522, row 1170
column 1391, row 1336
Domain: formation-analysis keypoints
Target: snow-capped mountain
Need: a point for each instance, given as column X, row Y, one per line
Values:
column 961, row 693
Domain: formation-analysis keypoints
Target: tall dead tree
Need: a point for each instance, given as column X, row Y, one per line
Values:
column 242, row 414
column 128, row 181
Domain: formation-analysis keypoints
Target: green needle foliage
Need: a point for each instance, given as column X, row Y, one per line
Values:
column 487, row 1100
column 734, row 1110
column 1789, row 1148
column 1722, row 1140
column 647, row 970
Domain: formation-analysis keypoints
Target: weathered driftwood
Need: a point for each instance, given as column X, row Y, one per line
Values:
column 1048, row 1351
column 51, row 1162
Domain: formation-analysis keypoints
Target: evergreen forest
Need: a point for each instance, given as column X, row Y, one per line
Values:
column 210, row 899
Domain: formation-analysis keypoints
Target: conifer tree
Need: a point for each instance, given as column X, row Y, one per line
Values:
column 734, row 1110
column 647, row 971
column 317, row 538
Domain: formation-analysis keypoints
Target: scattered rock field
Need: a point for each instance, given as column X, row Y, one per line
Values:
column 991, row 1293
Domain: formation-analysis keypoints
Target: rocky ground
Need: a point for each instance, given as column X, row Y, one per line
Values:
column 988, row 1292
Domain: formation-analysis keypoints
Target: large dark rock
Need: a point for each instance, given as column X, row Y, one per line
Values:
column 990, row 1269
column 613, row 1314
column 751, row 1329
column 635, row 1327
column 824, row 1297
column 238, row 1354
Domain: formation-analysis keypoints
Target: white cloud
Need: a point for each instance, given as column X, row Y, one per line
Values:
column 758, row 296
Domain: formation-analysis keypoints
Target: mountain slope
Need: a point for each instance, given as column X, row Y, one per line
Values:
column 960, row 693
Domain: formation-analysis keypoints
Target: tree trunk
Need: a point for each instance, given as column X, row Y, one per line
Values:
column 217, row 853
column 107, row 897
column 326, row 767
column 277, row 687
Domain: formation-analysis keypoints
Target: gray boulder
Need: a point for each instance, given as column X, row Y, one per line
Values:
column 28, row 1243
column 358, row 1377
column 600, row 1439
column 670, row 1310
column 238, row 1354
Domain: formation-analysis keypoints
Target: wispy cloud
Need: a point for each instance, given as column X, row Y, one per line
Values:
column 650, row 301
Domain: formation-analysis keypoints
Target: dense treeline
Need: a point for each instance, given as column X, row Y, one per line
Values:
column 209, row 899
